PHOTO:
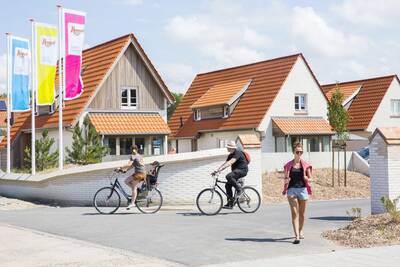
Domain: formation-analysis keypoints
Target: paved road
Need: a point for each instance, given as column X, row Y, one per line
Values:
column 186, row 237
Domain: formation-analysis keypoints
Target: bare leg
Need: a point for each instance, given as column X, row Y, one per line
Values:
column 294, row 208
column 302, row 210
column 134, row 185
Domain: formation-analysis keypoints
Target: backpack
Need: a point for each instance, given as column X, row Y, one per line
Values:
column 247, row 156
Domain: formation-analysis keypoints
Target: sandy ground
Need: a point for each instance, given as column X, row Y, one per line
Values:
column 375, row 230
column 357, row 186
column 16, row 204
column 32, row 248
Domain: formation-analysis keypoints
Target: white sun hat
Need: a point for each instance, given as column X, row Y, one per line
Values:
column 231, row 144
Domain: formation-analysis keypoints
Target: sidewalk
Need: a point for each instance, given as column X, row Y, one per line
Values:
column 365, row 257
column 23, row 247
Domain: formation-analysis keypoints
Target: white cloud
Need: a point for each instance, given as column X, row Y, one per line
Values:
column 328, row 41
column 370, row 12
column 220, row 36
column 178, row 76
column 3, row 73
column 130, row 2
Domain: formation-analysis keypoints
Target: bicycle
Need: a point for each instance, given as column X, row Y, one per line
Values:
column 209, row 201
column 149, row 199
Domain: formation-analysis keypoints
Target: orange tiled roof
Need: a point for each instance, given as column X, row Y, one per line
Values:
column 3, row 118
column 249, row 140
column 347, row 90
column 302, row 126
column 221, row 94
column 266, row 78
column 129, row 123
column 96, row 62
column 366, row 102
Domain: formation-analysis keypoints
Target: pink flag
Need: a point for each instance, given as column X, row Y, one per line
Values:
column 73, row 38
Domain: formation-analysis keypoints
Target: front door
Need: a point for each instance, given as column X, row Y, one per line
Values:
column 139, row 142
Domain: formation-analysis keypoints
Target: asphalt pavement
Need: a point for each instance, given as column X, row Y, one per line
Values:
column 186, row 237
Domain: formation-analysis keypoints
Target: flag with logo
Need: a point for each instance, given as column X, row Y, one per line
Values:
column 20, row 69
column 73, row 33
column 46, row 55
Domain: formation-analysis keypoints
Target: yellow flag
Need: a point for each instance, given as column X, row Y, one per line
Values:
column 46, row 48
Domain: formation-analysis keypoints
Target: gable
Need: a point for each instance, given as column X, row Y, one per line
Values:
column 383, row 115
column 267, row 78
column 366, row 102
column 129, row 71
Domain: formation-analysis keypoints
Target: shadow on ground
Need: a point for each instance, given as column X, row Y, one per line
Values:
column 332, row 218
column 250, row 239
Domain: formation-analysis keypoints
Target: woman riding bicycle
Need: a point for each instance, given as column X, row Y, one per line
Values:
column 135, row 161
column 239, row 165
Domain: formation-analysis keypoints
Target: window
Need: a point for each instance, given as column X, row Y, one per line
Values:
column 112, row 145
column 226, row 111
column 280, row 144
column 197, row 115
column 129, row 98
column 300, row 102
column 125, row 144
column 157, row 146
column 395, row 107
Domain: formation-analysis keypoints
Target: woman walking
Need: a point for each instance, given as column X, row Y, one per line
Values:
column 297, row 187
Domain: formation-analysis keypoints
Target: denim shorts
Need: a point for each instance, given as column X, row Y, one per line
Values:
column 299, row 193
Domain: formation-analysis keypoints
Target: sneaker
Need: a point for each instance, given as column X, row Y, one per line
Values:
column 228, row 206
column 130, row 206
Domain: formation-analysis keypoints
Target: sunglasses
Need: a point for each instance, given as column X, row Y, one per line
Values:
column 299, row 152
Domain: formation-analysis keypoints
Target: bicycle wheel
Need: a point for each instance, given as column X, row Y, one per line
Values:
column 149, row 201
column 209, row 201
column 107, row 200
column 250, row 200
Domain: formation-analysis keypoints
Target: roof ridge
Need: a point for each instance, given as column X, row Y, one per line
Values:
column 361, row 80
column 109, row 41
column 249, row 64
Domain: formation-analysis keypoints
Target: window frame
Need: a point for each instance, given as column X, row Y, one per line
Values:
column 197, row 115
column 393, row 103
column 129, row 104
column 299, row 110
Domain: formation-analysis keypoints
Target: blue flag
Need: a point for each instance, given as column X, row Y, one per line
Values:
column 20, row 70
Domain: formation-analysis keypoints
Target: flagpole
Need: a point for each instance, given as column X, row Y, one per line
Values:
column 61, row 84
column 33, row 88
column 8, row 104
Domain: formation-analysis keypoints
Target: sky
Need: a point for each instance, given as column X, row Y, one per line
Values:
column 341, row 40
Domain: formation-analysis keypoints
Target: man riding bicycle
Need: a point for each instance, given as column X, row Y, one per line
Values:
column 239, row 166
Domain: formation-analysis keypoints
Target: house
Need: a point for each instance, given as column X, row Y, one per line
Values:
column 124, row 97
column 371, row 103
column 278, row 100
column 3, row 118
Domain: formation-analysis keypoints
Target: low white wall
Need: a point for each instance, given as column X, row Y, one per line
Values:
column 182, row 178
column 275, row 161
column 359, row 164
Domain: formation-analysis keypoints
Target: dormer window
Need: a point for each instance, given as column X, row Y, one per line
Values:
column 220, row 100
column 226, row 112
column 197, row 115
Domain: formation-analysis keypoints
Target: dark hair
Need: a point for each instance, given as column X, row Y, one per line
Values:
column 296, row 145
column 134, row 147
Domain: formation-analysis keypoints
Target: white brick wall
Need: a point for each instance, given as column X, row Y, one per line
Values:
column 384, row 171
column 182, row 178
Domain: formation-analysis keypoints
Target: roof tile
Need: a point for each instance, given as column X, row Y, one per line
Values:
column 302, row 126
column 129, row 123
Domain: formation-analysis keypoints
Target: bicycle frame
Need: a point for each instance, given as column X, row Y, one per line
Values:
column 117, row 186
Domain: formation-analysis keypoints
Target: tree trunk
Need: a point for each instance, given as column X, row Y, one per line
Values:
column 333, row 166
column 338, row 166
column 345, row 167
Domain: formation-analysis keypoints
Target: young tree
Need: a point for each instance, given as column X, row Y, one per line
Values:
column 87, row 147
column 337, row 114
column 44, row 159
column 171, row 108
column 338, row 119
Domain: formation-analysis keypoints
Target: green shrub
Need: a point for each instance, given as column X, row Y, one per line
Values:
column 391, row 207
column 44, row 159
